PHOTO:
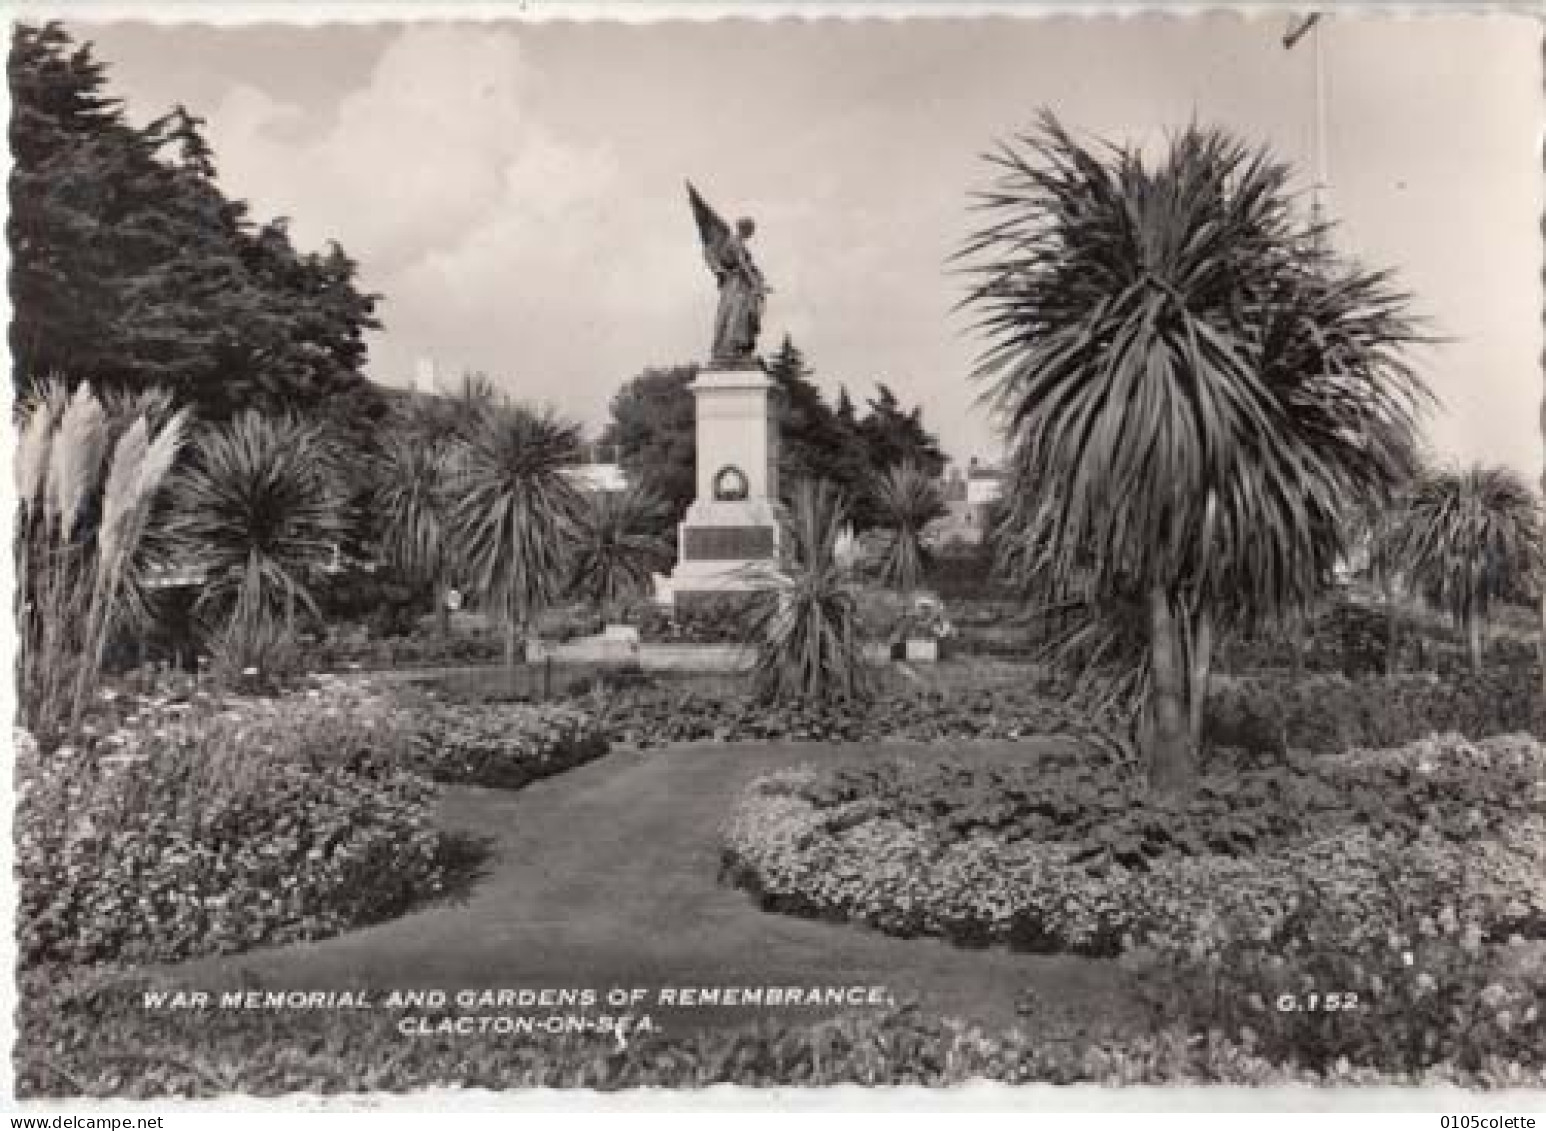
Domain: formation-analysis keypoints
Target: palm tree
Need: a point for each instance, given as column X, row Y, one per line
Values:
column 260, row 512
column 1467, row 539
column 1195, row 388
column 809, row 644
column 620, row 544
column 906, row 499
column 412, row 508
column 515, row 513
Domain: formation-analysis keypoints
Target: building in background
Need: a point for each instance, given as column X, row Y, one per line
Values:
column 969, row 493
column 598, row 469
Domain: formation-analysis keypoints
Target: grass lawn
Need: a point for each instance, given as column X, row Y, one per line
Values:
column 607, row 876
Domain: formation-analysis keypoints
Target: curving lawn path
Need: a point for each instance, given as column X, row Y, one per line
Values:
column 608, row 876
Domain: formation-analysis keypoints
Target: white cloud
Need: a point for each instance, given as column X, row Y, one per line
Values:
column 470, row 217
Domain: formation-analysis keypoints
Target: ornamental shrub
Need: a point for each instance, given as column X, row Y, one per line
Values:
column 208, row 831
column 504, row 746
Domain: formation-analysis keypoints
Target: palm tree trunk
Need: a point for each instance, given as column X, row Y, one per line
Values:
column 1473, row 636
column 1392, row 642
column 1200, row 675
column 442, row 613
column 1170, row 751
column 512, row 634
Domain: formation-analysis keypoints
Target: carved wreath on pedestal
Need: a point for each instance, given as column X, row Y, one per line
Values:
column 730, row 485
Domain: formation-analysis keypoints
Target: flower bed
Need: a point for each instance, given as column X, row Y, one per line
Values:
column 1058, row 866
column 504, row 746
column 208, row 828
column 1401, row 888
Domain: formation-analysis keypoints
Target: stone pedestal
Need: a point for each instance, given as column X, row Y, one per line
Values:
column 728, row 542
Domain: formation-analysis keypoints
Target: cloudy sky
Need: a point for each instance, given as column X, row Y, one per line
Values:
column 515, row 191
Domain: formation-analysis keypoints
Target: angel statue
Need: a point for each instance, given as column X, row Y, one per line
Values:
column 741, row 288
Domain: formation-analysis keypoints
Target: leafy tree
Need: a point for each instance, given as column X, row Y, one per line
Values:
column 1467, row 540
column 515, row 513
column 654, row 428
column 619, row 546
column 130, row 267
column 811, row 443
column 906, row 500
column 893, row 437
column 1196, row 388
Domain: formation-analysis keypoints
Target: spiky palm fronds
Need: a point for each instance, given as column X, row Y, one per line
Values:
column 905, row 499
column 1469, row 538
column 1195, row 388
column 413, row 506
column 1198, row 388
column 515, row 510
column 619, row 545
column 259, row 510
column 810, row 648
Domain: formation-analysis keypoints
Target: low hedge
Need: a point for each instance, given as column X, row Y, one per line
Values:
column 504, row 746
column 418, row 651
column 197, row 831
column 661, row 715
column 1330, row 713
column 97, row 1041
column 801, row 846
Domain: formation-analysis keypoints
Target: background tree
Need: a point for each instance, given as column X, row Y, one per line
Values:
column 1467, row 540
column 619, row 546
column 515, row 512
column 812, row 444
column 893, row 436
column 130, row 267
column 1196, row 389
column 654, row 428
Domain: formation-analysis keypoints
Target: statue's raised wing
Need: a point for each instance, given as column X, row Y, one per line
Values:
column 718, row 240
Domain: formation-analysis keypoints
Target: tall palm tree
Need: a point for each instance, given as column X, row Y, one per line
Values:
column 809, row 643
column 412, row 509
column 1195, row 388
column 516, row 512
column 619, row 545
column 260, row 512
column 1467, row 539
column 905, row 499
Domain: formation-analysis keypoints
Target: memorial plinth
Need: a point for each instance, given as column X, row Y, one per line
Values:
column 728, row 542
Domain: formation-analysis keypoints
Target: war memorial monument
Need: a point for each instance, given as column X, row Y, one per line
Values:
column 728, row 541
